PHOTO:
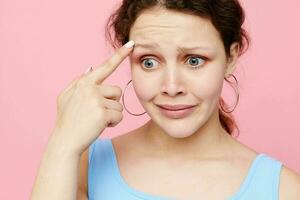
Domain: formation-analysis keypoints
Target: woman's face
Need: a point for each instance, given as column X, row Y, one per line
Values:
column 177, row 59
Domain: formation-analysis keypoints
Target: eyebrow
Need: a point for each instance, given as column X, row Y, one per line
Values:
column 179, row 49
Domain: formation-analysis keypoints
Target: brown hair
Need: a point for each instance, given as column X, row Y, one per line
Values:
column 227, row 16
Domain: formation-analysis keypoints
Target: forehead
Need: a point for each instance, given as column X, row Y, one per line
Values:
column 171, row 27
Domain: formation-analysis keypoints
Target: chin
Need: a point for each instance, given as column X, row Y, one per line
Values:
column 179, row 130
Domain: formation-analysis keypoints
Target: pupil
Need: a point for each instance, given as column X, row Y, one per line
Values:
column 194, row 61
column 148, row 63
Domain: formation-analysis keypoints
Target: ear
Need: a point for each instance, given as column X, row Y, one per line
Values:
column 231, row 61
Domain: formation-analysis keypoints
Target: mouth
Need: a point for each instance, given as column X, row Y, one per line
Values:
column 176, row 111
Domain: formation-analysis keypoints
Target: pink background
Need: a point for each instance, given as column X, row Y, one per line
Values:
column 45, row 44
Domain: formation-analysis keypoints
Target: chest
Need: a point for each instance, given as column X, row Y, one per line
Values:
column 210, row 179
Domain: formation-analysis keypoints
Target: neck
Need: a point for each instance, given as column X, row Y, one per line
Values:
column 211, row 140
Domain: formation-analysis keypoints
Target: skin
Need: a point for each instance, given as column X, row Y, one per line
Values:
column 197, row 143
column 193, row 149
column 172, row 79
column 171, row 82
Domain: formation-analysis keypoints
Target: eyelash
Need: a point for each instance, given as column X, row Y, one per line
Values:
column 143, row 58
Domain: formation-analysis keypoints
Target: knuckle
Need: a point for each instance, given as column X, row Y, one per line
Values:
column 109, row 63
column 121, row 116
column 118, row 54
column 118, row 90
column 120, row 106
column 83, row 81
column 100, row 102
column 83, row 91
column 80, row 83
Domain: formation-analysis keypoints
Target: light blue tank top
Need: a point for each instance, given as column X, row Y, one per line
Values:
column 106, row 183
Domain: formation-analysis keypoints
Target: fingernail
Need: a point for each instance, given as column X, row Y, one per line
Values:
column 129, row 44
column 88, row 70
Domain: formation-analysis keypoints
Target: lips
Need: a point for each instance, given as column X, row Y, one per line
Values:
column 175, row 107
column 176, row 111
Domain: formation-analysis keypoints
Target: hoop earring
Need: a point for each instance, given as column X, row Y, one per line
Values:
column 124, row 102
column 236, row 91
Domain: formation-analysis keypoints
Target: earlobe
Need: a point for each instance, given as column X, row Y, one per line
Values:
column 231, row 63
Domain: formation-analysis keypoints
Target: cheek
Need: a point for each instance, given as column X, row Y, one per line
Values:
column 209, row 90
column 144, row 86
column 208, row 86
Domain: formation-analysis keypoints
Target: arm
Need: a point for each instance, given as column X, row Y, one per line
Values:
column 57, row 174
column 82, row 192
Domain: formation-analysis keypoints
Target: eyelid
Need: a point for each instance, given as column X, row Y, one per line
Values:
column 142, row 58
column 197, row 56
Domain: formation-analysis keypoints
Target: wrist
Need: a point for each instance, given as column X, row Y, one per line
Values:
column 61, row 146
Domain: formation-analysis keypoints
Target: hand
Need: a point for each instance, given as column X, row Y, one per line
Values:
column 86, row 107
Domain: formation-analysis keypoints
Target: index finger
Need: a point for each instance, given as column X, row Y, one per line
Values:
column 100, row 73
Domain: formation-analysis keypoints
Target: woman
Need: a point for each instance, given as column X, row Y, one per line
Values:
column 180, row 53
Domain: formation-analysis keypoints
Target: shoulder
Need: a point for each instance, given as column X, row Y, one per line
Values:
column 289, row 186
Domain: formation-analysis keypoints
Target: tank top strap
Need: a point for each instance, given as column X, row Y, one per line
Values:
column 264, row 184
column 99, row 162
column 104, row 179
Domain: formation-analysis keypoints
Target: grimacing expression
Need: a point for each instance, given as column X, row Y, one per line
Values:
column 178, row 58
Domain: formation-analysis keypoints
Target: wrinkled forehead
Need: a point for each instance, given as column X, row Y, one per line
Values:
column 169, row 27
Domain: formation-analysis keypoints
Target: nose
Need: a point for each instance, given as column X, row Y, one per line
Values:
column 172, row 82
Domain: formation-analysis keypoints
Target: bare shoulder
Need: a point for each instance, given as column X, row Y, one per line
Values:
column 289, row 186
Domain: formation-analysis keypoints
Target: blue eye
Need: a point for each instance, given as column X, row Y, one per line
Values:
column 195, row 61
column 147, row 62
